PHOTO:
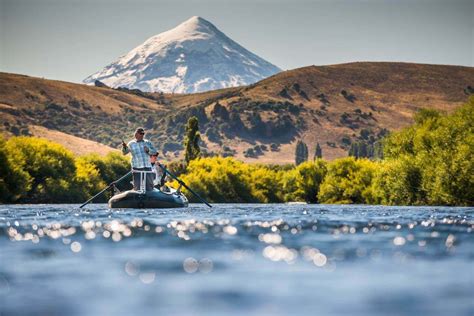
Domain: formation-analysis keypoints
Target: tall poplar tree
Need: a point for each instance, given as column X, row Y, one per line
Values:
column 191, row 140
column 301, row 152
column 318, row 152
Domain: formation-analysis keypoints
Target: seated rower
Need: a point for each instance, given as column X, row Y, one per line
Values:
column 160, row 175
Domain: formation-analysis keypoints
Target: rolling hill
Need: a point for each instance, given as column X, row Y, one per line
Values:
column 332, row 105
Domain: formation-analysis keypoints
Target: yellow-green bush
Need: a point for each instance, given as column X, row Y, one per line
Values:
column 302, row 182
column 14, row 181
column 87, row 179
column 109, row 168
column 50, row 168
column 35, row 170
column 441, row 147
column 220, row 180
column 347, row 181
column 228, row 180
column 397, row 182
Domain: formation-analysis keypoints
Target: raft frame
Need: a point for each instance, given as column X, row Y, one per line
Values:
column 148, row 199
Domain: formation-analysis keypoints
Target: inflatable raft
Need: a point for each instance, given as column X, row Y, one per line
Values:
column 149, row 199
column 166, row 198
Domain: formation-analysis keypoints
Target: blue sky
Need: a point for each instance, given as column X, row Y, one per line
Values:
column 70, row 39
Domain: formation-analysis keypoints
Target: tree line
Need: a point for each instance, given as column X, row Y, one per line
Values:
column 428, row 163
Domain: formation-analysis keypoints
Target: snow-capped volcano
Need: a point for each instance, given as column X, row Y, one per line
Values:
column 194, row 56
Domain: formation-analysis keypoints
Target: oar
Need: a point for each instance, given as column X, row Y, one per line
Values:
column 183, row 184
column 111, row 184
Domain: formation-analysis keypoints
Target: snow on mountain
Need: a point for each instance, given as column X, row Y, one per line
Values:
column 193, row 57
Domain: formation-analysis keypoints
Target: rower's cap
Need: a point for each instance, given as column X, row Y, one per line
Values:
column 140, row 130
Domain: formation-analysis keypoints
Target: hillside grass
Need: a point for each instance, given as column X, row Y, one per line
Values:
column 338, row 104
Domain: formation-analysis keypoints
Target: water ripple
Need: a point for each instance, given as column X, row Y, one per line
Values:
column 61, row 244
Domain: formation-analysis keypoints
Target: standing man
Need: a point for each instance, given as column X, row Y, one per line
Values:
column 141, row 149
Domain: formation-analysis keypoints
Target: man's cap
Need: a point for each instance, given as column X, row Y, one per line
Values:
column 140, row 130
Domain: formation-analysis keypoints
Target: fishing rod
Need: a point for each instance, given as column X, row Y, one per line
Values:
column 108, row 187
column 183, row 184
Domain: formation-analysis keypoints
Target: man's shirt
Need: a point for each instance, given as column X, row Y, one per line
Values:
column 140, row 159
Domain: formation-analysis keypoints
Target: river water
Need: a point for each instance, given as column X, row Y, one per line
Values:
column 236, row 259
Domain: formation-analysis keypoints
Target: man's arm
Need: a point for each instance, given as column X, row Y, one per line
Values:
column 151, row 149
column 125, row 148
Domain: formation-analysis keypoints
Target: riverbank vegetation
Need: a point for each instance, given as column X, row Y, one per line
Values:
column 429, row 163
column 35, row 170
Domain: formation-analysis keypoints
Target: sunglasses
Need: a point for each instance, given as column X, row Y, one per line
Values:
column 141, row 133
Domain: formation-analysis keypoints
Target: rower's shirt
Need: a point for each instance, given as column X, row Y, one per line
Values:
column 140, row 159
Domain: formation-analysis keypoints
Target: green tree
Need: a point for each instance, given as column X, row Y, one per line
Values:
column 354, row 150
column 378, row 150
column 191, row 140
column 301, row 152
column 424, row 115
column 363, row 152
column 318, row 152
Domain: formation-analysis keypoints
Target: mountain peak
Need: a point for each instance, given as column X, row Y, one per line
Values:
column 192, row 27
column 192, row 57
column 197, row 21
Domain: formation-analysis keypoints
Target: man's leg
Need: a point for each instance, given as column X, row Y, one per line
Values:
column 136, row 181
column 149, row 181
